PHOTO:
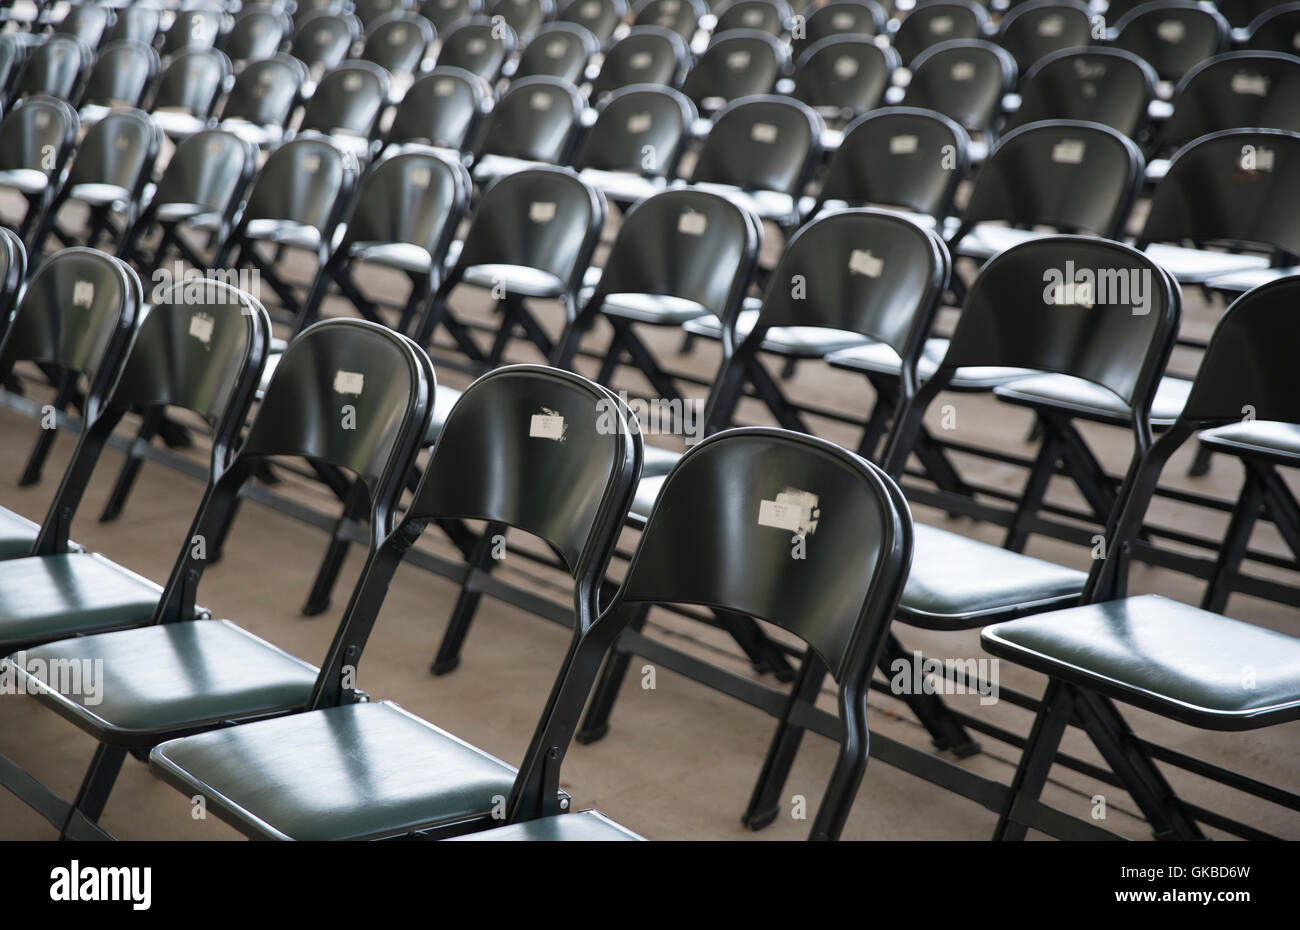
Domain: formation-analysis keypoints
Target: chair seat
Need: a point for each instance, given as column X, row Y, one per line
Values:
column 26, row 180
column 767, row 205
column 157, row 680
column 656, row 460
column 879, row 358
column 1279, row 442
column 516, row 279
column 1182, row 662
column 490, row 167
column 99, row 195
column 51, row 597
column 17, row 535
column 195, row 213
column 351, row 772
column 1195, row 266
column 986, row 240
column 798, row 341
column 655, row 309
column 261, row 136
column 1156, row 170
column 444, row 398
column 285, row 232
column 1092, row 401
column 406, row 256
column 177, row 124
column 839, row 206
column 622, row 186
column 582, row 827
column 1239, row 282
column 92, row 113
column 351, row 142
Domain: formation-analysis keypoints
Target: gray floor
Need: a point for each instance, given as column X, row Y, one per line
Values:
column 680, row 759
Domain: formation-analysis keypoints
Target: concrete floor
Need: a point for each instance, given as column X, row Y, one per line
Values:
column 680, row 759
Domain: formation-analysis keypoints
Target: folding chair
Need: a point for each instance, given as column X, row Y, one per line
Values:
column 263, row 98
column 838, row 17
column 347, row 106
column 372, row 11
column 522, row 448
column 444, row 14
column 55, row 68
column 646, row 55
column 108, row 174
column 257, row 33
column 678, row 255
column 134, row 22
column 399, row 43
column 323, row 40
column 12, row 54
column 479, row 46
column 404, row 217
column 1068, row 175
column 444, row 109
column 305, row 9
column 965, row 80
column 297, row 201
column 533, row 123
column 36, row 137
column 1097, row 85
column 599, row 17
column 524, row 17
column 738, row 63
column 1274, row 29
column 843, row 76
column 678, row 16
column 190, row 30
column 770, row 16
column 87, row 22
column 933, row 21
column 121, row 76
column 183, row 673
column 1032, row 30
column 531, row 238
column 1172, row 35
column 188, row 90
column 1180, row 663
column 636, row 144
column 559, row 50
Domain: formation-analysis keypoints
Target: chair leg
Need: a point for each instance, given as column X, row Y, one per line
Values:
column 770, row 393
column 95, row 786
column 765, row 801
column 596, row 723
column 354, row 509
column 1200, row 466
column 1040, row 475
column 462, row 615
column 946, row 731
column 131, row 467
column 644, row 361
column 1037, row 758
column 1235, row 542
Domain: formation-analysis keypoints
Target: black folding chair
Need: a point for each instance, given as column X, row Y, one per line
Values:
column 191, row 29
column 1178, row 662
column 837, row 17
column 372, row 11
column 678, row 16
column 121, row 76
column 646, row 55
column 1274, row 29
column 261, row 102
column 87, row 22
column 1030, row 31
column 524, row 17
column 1173, row 36
column 323, row 40
column 182, row 673
column 135, row 22
column 1098, row 85
column 522, row 448
column 534, row 123
column 933, row 21
column 398, row 43
column 188, row 90
column 635, row 147
column 37, row 136
column 55, row 68
column 599, row 17
column 965, row 80
column 559, row 50
column 444, row 14
column 479, row 46
column 738, row 63
column 347, row 106
column 444, row 109
column 258, row 32
column 843, row 76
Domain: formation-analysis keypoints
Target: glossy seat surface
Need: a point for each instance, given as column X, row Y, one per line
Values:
column 1279, row 441
column 799, row 341
column 17, row 534
column 879, row 358
column 1083, row 398
column 582, row 827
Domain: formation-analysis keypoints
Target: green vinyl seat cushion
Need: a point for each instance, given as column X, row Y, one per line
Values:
column 796, row 341
column 1278, row 442
column 355, row 771
column 52, row 597
column 17, row 534
column 582, row 827
column 156, row 680
column 1185, row 663
column 1092, row 401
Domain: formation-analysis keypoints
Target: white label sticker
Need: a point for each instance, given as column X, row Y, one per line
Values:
column 670, row 6
column 941, row 25
column 397, row 36
column 540, row 211
column 843, row 21
column 963, row 70
column 764, row 132
column 349, row 382
column 903, row 145
column 42, row 120
column 1068, row 152
column 444, row 87
column 639, row 122
column 845, row 67
column 421, row 177
column 352, row 81
column 548, row 425
column 639, row 61
column 738, row 60
column 752, row 18
column 1244, row 82
column 1051, row 26
column 311, row 163
column 83, row 293
column 557, row 48
column 862, row 262
column 201, row 327
column 692, row 223
column 1172, row 31
column 591, row 10
column 793, row 510
column 541, row 101
column 476, row 46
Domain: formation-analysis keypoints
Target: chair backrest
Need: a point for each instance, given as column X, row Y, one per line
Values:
column 479, row 46
column 87, row 22
column 191, row 29
column 1241, row 13
column 12, row 54
column 738, row 63
column 443, row 108
column 535, row 120
column 1031, row 30
column 845, row 74
column 415, row 196
column 1098, row 85
column 544, row 218
column 770, row 524
column 1089, row 308
column 837, row 17
column 351, row 98
column 444, row 14
column 599, row 17
column 1232, row 91
column 257, row 33
column 54, row 67
column 1172, row 35
column 13, row 272
column 964, row 80
column 1235, row 186
column 560, row 50
column 398, row 42
column 688, row 244
column 679, row 16
column 525, row 17
column 121, row 75
column 642, row 128
column 1070, row 175
column 265, row 92
column 33, row 130
column 770, row 16
column 935, row 21
column 305, row 9
column 308, row 181
column 211, row 169
column 1275, row 30
column 372, row 11
column 900, row 157
column 780, row 138
column 324, row 39
column 119, row 149
column 192, row 81
column 134, row 22
column 646, row 55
